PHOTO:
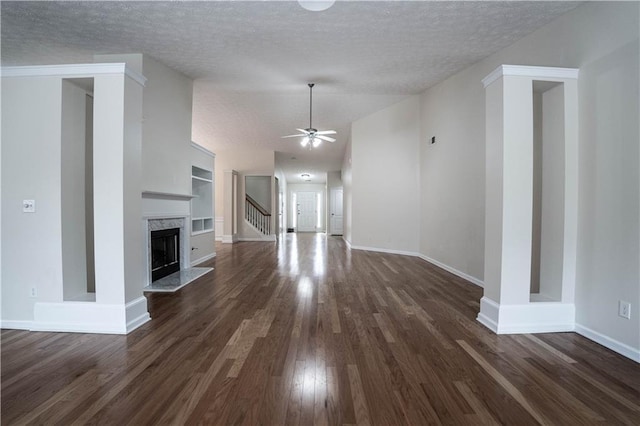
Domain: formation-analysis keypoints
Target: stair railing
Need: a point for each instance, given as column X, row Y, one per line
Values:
column 257, row 216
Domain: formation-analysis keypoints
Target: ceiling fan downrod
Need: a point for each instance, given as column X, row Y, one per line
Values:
column 311, row 106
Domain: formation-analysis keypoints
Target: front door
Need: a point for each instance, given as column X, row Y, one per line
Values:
column 336, row 211
column 306, row 211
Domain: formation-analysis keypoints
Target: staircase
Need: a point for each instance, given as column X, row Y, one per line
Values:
column 257, row 216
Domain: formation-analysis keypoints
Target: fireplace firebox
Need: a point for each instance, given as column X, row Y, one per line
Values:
column 165, row 252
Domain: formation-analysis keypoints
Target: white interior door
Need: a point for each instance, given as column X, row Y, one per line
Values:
column 278, row 212
column 307, row 211
column 336, row 211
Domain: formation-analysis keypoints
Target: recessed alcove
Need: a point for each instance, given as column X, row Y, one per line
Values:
column 76, row 176
column 548, row 191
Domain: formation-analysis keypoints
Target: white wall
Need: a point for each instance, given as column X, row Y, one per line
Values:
column 284, row 199
column 452, row 174
column 166, row 134
column 245, row 162
column 608, row 228
column 259, row 188
column 31, row 241
column 334, row 181
column 166, row 139
column 347, row 194
column 602, row 40
column 385, row 178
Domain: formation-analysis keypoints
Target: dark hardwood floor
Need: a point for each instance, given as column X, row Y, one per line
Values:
column 308, row 332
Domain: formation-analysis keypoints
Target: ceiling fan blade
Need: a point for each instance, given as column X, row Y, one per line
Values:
column 293, row 136
column 305, row 131
column 325, row 138
column 326, row 132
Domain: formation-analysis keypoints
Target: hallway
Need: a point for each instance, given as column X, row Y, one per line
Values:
column 306, row 331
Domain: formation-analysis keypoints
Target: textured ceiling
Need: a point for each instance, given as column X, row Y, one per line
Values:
column 251, row 60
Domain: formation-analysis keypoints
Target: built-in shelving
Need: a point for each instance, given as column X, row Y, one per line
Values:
column 166, row 195
column 201, row 201
column 201, row 179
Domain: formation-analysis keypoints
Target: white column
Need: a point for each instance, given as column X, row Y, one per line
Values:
column 508, row 305
column 230, row 208
column 119, row 305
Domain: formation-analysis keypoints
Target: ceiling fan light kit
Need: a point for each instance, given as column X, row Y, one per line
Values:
column 312, row 138
column 316, row 5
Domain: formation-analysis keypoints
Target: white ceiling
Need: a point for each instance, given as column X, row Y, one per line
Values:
column 251, row 61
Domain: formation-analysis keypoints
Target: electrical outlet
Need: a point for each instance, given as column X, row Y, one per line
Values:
column 33, row 292
column 624, row 309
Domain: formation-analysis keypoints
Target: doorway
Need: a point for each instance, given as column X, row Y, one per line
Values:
column 307, row 211
column 336, row 212
column 278, row 208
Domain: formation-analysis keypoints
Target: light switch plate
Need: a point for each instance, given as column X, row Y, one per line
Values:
column 28, row 206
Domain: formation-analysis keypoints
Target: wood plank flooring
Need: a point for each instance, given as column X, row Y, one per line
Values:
column 307, row 332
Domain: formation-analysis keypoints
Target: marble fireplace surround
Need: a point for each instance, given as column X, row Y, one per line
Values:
column 167, row 222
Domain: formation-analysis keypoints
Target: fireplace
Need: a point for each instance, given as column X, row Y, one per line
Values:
column 165, row 252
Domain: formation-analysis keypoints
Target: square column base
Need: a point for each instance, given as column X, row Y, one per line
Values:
column 535, row 317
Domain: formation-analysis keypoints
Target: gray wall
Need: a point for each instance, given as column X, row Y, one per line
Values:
column 259, row 188
column 385, row 178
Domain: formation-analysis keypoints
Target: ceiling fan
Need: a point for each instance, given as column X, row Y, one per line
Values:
column 312, row 137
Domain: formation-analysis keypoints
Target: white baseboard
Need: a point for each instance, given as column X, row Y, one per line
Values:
column 203, row 259
column 489, row 314
column 383, row 250
column 90, row 317
column 487, row 322
column 539, row 317
column 218, row 227
column 266, row 238
column 259, row 236
column 454, row 271
column 16, row 325
column 137, row 322
column 229, row 239
column 136, row 313
column 616, row 346
column 447, row 268
column 347, row 242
